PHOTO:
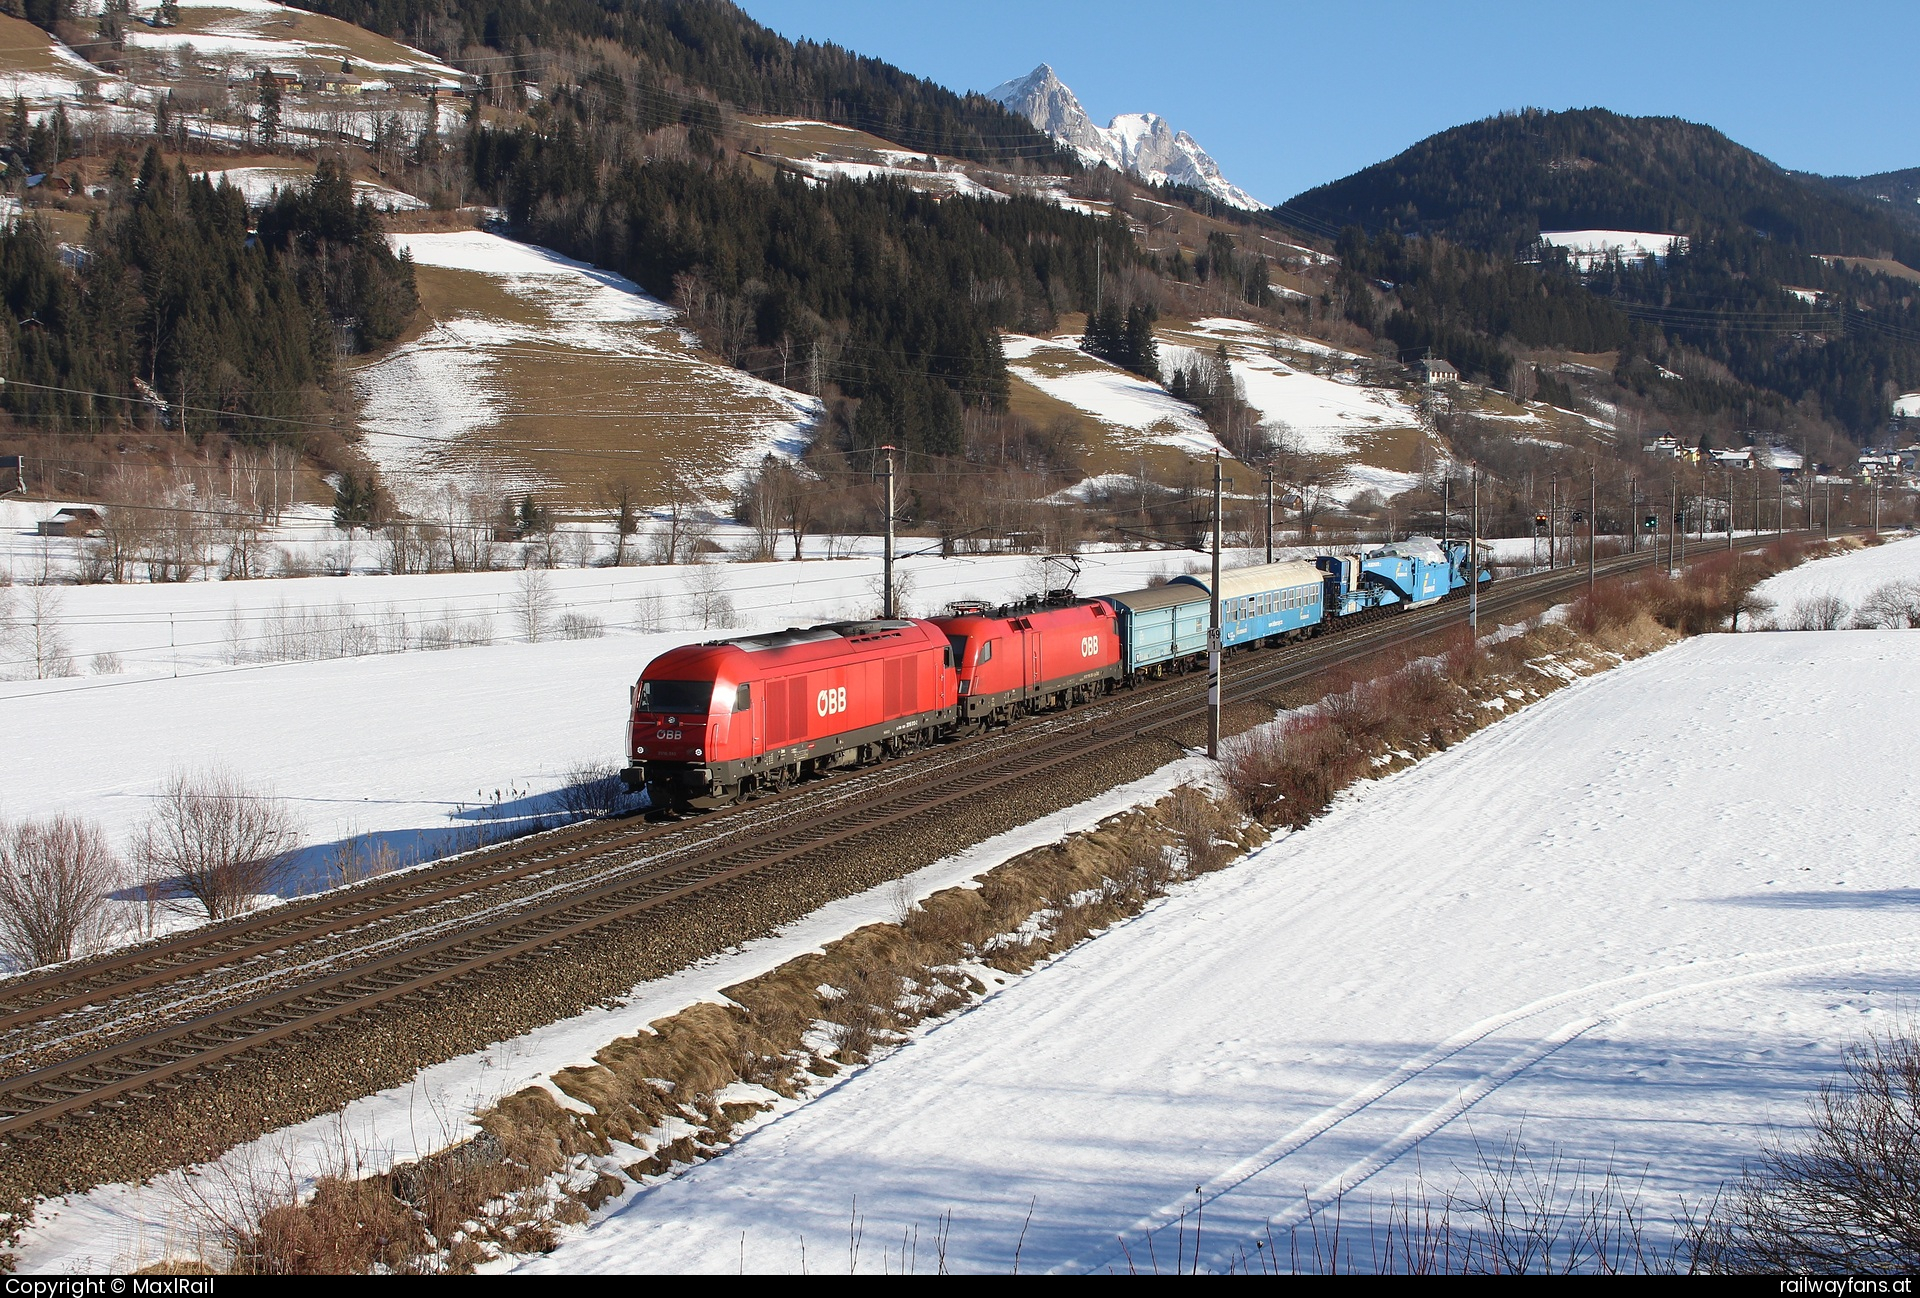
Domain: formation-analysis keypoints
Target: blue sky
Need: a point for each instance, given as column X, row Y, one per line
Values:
column 1288, row 95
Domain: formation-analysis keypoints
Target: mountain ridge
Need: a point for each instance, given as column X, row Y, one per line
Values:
column 1142, row 144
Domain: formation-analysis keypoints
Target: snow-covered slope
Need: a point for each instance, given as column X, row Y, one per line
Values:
column 1636, row 925
column 1141, row 143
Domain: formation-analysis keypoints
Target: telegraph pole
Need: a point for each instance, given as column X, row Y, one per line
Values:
column 1446, row 508
column 1633, row 516
column 1269, row 513
column 886, row 573
column 1473, row 563
column 1213, row 627
column 1726, row 480
column 1593, row 518
column 1826, row 514
column 1673, row 527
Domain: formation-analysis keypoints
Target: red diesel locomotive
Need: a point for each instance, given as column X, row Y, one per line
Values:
column 1052, row 657
column 713, row 722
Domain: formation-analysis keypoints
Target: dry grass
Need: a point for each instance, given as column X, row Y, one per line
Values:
column 652, row 387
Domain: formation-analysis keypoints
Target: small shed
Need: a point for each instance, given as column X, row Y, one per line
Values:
column 73, row 521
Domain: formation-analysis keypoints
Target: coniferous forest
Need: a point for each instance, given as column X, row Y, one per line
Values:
column 225, row 329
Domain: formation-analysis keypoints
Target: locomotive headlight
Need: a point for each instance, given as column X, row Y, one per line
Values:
column 696, row 752
column 638, row 750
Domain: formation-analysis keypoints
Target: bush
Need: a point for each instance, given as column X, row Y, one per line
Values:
column 1826, row 612
column 55, row 877
column 1894, row 606
column 592, row 789
column 1288, row 774
column 1847, row 1199
column 1612, row 606
column 213, row 844
column 580, row 626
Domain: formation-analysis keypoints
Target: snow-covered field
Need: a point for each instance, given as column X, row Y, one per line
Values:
column 1590, row 248
column 1637, row 924
column 1850, row 578
column 416, row 749
column 1322, row 416
column 257, row 184
column 577, row 374
column 1142, row 413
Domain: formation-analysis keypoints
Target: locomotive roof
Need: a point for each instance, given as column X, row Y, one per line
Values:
column 793, row 647
column 815, row 634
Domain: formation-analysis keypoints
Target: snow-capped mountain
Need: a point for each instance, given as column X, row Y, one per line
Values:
column 1141, row 143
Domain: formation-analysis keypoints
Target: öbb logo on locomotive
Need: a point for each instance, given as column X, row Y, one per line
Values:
column 828, row 702
column 1090, row 646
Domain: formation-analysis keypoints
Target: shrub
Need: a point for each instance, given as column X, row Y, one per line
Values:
column 1826, row 612
column 1894, row 606
column 580, row 626
column 1611, row 606
column 213, row 844
column 1845, row 1199
column 592, row 789
column 55, row 877
column 1288, row 774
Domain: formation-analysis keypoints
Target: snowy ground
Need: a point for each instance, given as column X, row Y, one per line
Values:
column 1321, row 416
column 1143, row 413
column 257, row 184
column 1639, row 922
column 1590, row 248
column 415, row 749
column 1850, row 577
column 577, row 367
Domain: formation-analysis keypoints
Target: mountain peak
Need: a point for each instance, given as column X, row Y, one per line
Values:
column 1140, row 143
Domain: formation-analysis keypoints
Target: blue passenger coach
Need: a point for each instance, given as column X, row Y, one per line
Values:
column 1273, row 599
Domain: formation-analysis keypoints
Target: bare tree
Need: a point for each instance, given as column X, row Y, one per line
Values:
column 620, row 497
column 55, row 877
column 707, row 597
column 1894, row 606
column 796, row 506
column 45, row 634
column 759, row 505
column 533, row 602
column 1824, row 612
column 213, row 844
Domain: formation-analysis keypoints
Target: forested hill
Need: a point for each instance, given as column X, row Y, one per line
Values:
column 1898, row 192
column 711, row 45
column 1496, row 184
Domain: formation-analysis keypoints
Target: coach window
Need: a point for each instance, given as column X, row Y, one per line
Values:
column 742, row 699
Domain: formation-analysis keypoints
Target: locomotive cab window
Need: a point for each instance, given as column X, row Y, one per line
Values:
column 986, row 653
column 743, row 699
column 676, row 696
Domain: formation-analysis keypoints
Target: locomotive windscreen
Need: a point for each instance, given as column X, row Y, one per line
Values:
column 675, row 696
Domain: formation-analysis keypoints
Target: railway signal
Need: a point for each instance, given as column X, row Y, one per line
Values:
column 1652, row 523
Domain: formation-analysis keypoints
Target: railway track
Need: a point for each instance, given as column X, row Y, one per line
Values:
column 116, row 1030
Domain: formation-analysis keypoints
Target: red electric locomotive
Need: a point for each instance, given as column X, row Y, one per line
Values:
column 711, row 722
column 1028, row 661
